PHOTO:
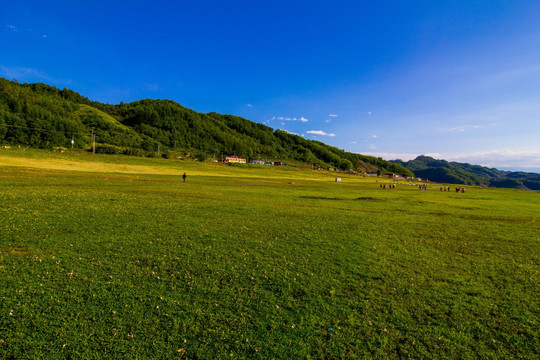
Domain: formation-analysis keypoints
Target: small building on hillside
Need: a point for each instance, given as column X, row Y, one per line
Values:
column 262, row 162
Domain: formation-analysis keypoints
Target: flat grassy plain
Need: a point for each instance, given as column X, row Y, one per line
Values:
column 114, row 257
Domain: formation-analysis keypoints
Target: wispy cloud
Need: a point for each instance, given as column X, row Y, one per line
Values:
column 373, row 136
column 319, row 132
column 463, row 128
column 331, row 116
column 29, row 75
column 249, row 105
column 12, row 28
column 372, row 147
column 500, row 158
column 284, row 118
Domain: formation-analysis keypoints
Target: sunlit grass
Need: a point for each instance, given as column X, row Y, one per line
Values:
column 101, row 260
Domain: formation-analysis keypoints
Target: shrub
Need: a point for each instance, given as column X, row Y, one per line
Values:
column 134, row 152
column 108, row 149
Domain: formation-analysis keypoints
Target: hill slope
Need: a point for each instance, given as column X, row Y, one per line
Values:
column 443, row 171
column 39, row 115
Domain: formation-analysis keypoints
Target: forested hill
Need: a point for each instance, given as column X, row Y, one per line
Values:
column 443, row 171
column 39, row 115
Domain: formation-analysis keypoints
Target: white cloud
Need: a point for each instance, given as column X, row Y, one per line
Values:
column 319, row 132
column 302, row 119
column 352, row 142
column 374, row 136
column 328, row 121
column 12, row 28
column 372, row 147
column 368, row 113
column 332, row 115
column 249, row 105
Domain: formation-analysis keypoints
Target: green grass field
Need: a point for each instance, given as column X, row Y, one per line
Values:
column 114, row 257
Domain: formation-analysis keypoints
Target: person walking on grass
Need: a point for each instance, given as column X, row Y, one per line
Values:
column 184, row 177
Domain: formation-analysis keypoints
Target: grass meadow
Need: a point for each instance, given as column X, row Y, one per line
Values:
column 114, row 257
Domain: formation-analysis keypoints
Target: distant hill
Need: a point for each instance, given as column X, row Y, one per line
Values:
column 443, row 171
column 39, row 115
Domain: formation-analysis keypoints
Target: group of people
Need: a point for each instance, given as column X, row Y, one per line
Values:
column 447, row 188
column 390, row 186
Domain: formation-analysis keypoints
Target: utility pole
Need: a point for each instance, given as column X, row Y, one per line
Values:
column 93, row 142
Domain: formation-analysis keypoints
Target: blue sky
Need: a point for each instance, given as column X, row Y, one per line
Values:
column 457, row 80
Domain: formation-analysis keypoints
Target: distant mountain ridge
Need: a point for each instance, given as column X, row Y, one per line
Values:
column 443, row 171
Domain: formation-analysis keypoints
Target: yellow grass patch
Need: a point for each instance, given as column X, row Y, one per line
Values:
column 90, row 166
column 144, row 166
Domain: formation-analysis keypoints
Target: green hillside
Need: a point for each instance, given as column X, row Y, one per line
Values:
column 42, row 116
column 443, row 171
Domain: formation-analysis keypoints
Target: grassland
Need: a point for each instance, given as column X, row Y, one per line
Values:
column 114, row 257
